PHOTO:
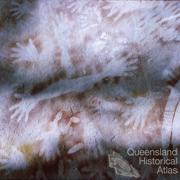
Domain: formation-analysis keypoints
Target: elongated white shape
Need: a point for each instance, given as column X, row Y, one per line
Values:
column 170, row 119
column 176, row 126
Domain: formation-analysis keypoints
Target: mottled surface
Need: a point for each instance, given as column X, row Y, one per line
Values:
column 80, row 78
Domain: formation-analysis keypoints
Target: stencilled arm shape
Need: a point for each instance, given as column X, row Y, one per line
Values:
column 21, row 110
